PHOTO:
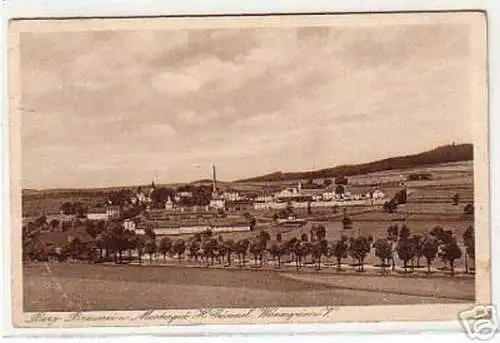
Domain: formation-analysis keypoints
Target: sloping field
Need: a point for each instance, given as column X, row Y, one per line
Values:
column 439, row 171
column 418, row 286
column 64, row 287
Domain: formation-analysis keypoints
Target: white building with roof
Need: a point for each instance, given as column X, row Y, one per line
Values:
column 185, row 194
column 97, row 214
column 129, row 224
column 232, row 196
column 169, row 204
column 378, row 194
column 264, row 198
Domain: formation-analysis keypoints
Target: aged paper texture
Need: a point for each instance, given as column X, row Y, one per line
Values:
column 260, row 169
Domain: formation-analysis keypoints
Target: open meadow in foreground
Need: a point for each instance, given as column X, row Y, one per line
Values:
column 87, row 287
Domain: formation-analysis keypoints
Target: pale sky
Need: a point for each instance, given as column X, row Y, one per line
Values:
column 112, row 108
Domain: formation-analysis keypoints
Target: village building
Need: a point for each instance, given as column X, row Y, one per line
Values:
column 113, row 212
column 378, row 194
column 141, row 197
column 184, row 194
column 169, row 204
column 217, row 203
column 296, row 194
column 239, row 205
column 97, row 214
column 193, row 225
column 129, row 224
column 301, row 197
column 264, row 198
column 232, row 196
column 66, row 217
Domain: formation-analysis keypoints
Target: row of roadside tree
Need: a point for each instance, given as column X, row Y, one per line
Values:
column 111, row 242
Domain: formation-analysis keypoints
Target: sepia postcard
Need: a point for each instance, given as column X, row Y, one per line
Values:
column 249, row 169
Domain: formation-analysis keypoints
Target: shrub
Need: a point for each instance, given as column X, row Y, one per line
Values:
column 469, row 209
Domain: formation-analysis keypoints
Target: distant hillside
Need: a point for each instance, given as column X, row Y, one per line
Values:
column 443, row 154
column 84, row 192
column 203, row 181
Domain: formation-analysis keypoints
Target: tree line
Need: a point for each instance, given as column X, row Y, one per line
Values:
column 200, row 196
column 110, row 241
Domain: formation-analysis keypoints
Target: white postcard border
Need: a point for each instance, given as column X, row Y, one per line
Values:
column 481, row 153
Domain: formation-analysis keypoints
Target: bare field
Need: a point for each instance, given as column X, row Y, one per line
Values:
column 83, row 287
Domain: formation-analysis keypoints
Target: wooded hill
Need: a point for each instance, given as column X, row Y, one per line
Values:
column 442, row 154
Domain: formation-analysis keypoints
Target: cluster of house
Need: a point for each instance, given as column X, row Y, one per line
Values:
column 298, row 196
column 179, row 219
column 323, row 197
column 230, row 201
column 326, row 194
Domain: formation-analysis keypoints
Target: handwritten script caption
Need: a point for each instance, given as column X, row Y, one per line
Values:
column 54, row 319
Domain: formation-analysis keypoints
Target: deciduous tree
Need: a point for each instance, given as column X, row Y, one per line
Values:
column 67, row 208
column 469, row 243
column 179, row 247
column 340, row 249
column 150, row 248
column 429, row 251
column 383, row 251
column 452, row 252
column 406, row 251
column 359, row 249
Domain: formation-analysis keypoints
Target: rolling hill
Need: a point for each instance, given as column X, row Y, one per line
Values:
column 442, row 154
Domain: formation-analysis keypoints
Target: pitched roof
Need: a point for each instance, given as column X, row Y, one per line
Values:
column 355, row 189
column 97, row 211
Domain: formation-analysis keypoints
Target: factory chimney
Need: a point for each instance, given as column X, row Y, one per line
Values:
column 214, row 182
